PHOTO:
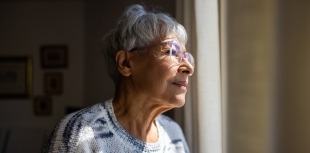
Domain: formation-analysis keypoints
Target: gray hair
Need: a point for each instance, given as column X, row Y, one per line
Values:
column 138, row 28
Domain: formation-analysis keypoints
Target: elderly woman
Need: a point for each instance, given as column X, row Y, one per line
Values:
column 148, row 62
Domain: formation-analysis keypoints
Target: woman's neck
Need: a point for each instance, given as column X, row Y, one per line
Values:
column 136, row 114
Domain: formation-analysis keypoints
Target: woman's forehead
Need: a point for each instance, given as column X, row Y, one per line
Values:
column 171, row 37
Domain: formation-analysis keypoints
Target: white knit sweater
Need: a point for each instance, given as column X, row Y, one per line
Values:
column 96, row 130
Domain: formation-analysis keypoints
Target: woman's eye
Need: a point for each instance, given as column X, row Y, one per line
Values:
column 166, row 51
column 174, row 52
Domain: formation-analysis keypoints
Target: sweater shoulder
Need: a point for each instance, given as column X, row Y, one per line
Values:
column 83, row 117
column 67, row 133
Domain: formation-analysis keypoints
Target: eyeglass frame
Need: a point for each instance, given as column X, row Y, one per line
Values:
column 173, row 44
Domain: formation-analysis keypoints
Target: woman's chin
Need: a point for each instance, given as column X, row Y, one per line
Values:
column 179, row 102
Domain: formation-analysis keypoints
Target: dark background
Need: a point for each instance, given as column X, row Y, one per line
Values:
column 26, row 26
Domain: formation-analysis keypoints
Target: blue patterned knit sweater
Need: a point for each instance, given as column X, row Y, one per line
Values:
column 96, row 130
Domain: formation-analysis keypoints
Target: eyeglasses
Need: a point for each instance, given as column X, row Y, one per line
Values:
column 174, row 49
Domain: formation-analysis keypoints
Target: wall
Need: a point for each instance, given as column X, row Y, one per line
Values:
column 25, row 26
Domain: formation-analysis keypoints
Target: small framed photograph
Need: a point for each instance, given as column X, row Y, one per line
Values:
column 15, row 77
column 53, row 83
column 54, row 56
column 42, row 105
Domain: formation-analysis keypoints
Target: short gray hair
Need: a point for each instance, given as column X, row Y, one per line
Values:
column 138, row 28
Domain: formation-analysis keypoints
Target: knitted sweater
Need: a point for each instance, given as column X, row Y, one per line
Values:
column 96, row 130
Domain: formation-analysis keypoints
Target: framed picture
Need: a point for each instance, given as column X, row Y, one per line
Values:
column 54, row 56
column 15, row 77
column 53, row 83
column 42, row 106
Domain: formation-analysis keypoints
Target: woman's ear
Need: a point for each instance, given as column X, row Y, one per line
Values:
column 122, row 62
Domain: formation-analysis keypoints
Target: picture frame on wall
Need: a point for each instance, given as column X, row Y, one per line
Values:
column 15, row 77
column 42, row 105
column 53, row 83
column 54, row 56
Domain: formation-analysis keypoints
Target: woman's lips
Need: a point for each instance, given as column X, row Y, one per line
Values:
column 181, row 83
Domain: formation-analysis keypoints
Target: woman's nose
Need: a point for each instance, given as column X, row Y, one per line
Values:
column 186, row 67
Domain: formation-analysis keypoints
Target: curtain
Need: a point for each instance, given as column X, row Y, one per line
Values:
column 203, row 117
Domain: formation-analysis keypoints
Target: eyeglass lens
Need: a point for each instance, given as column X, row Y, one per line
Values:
column 175, row 50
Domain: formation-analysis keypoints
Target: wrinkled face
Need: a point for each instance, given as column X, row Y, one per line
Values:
column 160, row 75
